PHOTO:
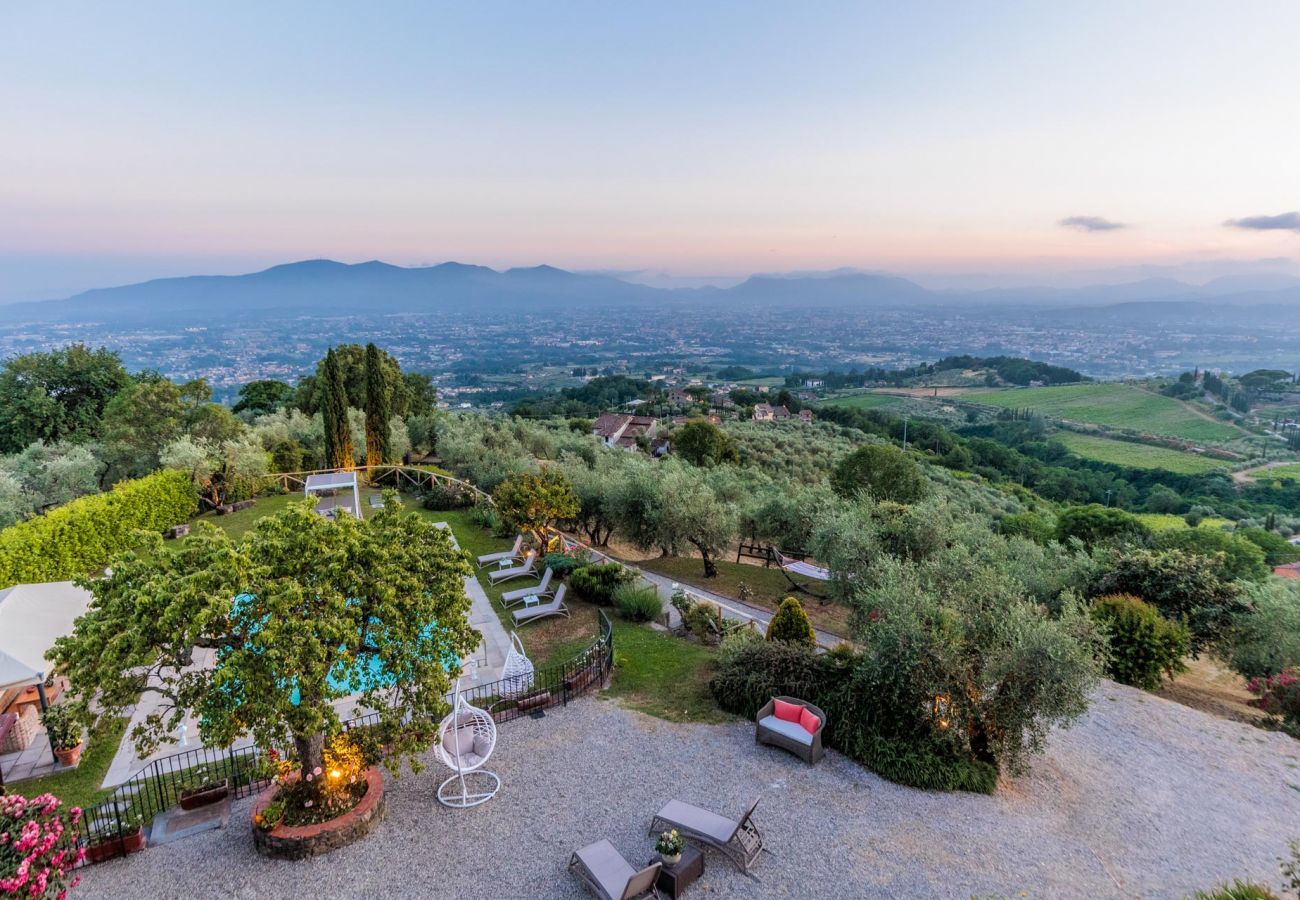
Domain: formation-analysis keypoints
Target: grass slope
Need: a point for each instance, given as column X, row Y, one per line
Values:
column 863, row 401
column 1116, row 405
column 81, row 786
column 1290, row 470
column 1138, row 456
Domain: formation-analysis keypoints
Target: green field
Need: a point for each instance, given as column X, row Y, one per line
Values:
column 1290, row 470
column 864, row 401
column 768, row 381
column 1116, row 405
column 1139, row 456
column 1168, row 521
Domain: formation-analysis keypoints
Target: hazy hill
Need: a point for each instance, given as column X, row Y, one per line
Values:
column 327, row 288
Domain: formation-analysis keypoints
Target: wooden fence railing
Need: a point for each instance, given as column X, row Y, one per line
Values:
column 398, row 476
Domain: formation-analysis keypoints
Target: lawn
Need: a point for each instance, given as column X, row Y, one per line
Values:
column 863, row 401
column 1138, row 456
column 663, row 676
column 81, row 786
column 769, row 588
column 1116, row 405
column 1290, row 470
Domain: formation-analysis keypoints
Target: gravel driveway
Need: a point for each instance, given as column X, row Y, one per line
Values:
column 1143, row 798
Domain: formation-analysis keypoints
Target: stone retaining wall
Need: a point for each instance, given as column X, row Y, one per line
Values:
column 303, row 841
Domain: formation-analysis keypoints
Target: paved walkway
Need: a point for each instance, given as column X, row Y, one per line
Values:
column 490, row 657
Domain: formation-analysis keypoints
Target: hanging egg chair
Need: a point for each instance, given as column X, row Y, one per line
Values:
column 517, row 674
column 466, row 739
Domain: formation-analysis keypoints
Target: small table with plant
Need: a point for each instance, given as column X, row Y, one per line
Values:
column 681, row 864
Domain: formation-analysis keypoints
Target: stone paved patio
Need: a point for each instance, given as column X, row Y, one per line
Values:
column 1145, row 798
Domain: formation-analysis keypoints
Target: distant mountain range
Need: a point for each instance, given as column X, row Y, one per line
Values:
column 328, row 288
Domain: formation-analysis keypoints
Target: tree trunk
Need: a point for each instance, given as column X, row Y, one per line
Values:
column 710, row 569
column 979, row 743
column 311, row 752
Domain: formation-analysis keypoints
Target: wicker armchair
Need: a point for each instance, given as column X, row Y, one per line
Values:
column 771, row 731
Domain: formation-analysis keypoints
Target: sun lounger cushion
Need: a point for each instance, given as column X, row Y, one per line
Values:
column 793, row 730
column 809, row 721
column 787, row 712
column 606, row 865
column 712, row 825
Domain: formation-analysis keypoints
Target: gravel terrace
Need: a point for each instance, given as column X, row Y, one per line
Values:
column 1144, row 798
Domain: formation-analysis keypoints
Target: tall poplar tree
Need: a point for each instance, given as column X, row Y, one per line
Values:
column 338, row 437
column 378, row 448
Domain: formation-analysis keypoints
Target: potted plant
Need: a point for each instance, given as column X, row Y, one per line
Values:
column 670, row 846
column 116, row 839
column 201, row 788
column 64, row 724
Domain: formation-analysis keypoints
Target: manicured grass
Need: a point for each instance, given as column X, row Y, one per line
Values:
column 769, row 381
column 663, row 676
column 1168, row 521
column 1116, row 405
column 1138, row 456
column 863, row 401
column 769, row 588
column 81, row 786
column 1290, row 470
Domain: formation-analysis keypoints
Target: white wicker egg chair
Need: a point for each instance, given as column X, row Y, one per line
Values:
column 517, row 673
column 466, row 739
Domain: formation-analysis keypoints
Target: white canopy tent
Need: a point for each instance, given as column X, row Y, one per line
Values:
column 335, row 481
column 32, row 617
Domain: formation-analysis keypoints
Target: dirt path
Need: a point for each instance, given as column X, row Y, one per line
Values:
column 1243, row 475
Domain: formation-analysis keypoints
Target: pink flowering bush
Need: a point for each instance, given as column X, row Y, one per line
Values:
column 37, row 848
column 1279, row 695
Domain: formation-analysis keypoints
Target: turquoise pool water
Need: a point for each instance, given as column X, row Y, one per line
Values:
column 370, row 672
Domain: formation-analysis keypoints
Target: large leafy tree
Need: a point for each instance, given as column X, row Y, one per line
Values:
column 300, row 612
column 139, row 422
column 378, row 445
column 338, row 435
column 410, row 393
column 692, row 514
column 263, row 396
column 702, row 443
column 532, row 502
column 882, row 471
column 56, row 396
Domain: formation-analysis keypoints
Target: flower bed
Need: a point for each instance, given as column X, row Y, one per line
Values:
column 303, row 841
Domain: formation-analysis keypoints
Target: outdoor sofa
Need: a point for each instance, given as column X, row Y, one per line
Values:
column 791, row 724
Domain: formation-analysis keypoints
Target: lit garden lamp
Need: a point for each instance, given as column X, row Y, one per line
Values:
column 941, row 709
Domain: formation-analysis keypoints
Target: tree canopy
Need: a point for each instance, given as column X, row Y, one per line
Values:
column 56, row 396
column 299, row 612
column 881, row 470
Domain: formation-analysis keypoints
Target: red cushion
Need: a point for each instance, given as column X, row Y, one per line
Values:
column 809, row 721
column 788, row 711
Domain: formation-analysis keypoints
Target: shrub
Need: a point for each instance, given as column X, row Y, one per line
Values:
column 1279, row 695
column 704, row 620
column 442, row 497
column 486, row 517
column 1266, row 639
column 1027, row 525
column 791, row 624
column 1238, row 890
column 881, row 470
column 82, row 536
column 638, row 603
column 598, row 582
column 1143, row 646
column 562, row 564
column 1095, row 524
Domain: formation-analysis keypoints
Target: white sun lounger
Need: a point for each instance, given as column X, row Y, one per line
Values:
column 513, row 553
column 528, row 567
column 537, row 590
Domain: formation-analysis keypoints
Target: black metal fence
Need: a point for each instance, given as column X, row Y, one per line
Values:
column 111, row 828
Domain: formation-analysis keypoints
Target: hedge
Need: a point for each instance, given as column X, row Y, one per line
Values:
column 81, row 537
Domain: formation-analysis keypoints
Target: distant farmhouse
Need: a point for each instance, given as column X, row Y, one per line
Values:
column 624, row 430
column 764, row 412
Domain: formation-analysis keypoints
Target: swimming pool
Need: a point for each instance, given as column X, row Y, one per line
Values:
column 366, row 671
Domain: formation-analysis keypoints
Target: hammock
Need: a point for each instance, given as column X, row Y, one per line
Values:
column 789, row 566
column 466, row 739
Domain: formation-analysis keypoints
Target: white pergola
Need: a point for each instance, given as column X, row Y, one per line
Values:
column 335, row 481
column 32, row 617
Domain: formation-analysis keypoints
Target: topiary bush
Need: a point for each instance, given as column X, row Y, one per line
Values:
column 638, row 603
column 597, row 583
column 1144, row 647
column 791, row 624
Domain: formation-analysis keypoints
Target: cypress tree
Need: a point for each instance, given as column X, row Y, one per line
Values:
column 338, row 437
column 378, row 448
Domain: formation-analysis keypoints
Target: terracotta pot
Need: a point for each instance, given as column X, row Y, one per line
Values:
column 114, row 847
column 196, row 799
column 69, row 757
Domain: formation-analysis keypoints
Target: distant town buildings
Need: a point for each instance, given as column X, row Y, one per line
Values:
column 764, row 412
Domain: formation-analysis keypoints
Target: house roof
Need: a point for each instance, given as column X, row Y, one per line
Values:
column 1290, row 570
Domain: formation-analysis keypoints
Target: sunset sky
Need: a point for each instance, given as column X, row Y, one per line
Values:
column 945, row 141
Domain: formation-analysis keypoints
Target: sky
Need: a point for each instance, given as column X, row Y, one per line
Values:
column 952, row 142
